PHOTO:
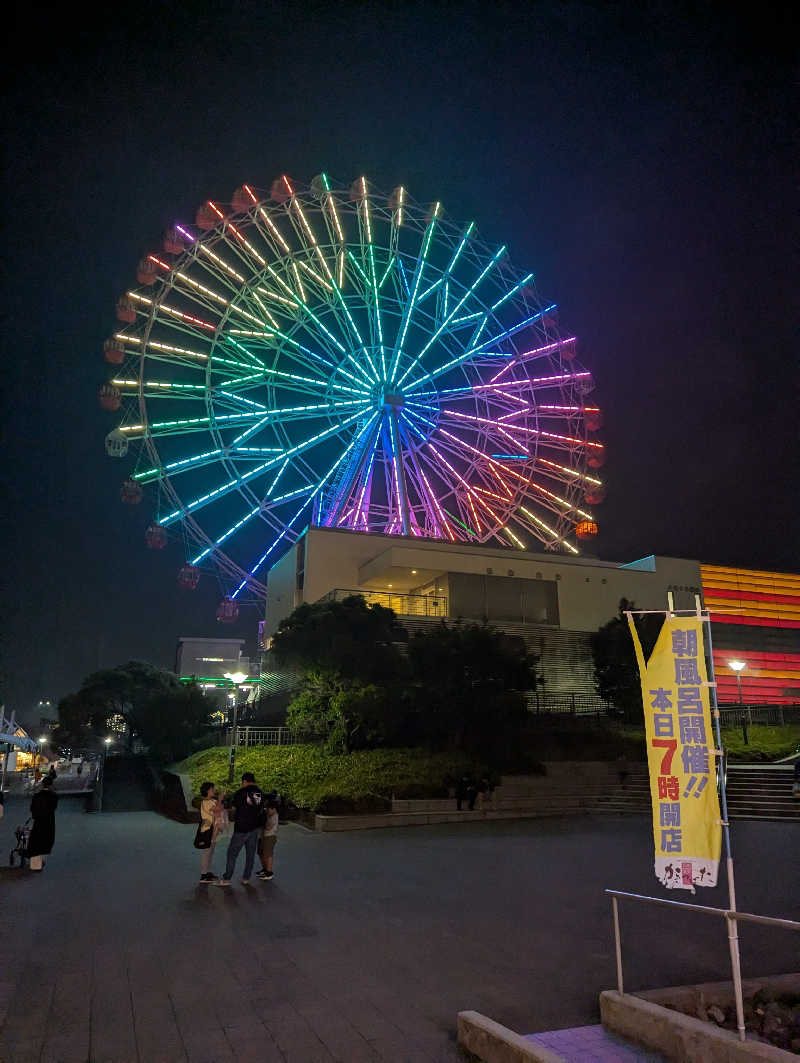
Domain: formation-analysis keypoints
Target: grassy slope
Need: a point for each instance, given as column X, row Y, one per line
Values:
column 765, row 743
column 311, row 779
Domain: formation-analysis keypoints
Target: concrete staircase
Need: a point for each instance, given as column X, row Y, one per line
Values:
column 762, row 791
column 127, row 785
column 588, row 788
column 568, row 788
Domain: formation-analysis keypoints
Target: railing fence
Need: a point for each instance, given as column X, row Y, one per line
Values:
column 730, row 916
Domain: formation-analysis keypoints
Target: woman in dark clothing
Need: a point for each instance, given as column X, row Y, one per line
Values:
column 43, row 834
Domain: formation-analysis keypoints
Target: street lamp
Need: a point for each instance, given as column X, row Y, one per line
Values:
column 42, row 743
column 237, row 678
column 738, row 667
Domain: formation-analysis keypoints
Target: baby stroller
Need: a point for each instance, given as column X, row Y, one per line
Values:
column 20, row 850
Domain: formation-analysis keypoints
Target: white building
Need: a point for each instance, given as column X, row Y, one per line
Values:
column 552, row 600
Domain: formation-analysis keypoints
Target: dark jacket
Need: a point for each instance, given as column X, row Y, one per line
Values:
column 43, row 834
column 249, row 806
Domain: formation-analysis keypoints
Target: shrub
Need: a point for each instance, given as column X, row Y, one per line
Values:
column 315, row 780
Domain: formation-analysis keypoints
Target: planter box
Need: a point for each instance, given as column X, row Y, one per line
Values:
column 493, row 1043
column 684, row 1038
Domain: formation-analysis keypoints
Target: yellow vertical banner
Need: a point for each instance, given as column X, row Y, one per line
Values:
column 680, row 755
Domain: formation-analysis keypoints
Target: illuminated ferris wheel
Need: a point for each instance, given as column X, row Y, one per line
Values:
column 338, row 356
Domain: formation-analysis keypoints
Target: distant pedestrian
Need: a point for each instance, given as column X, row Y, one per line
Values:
column 43, row 833
column 466, row 790
column 209, row 829
column 51, row 775
column 484, row 793
column 80, row 767
column 248, row 808
column 269, row 839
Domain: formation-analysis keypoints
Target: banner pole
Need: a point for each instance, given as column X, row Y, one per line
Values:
column 733, row 929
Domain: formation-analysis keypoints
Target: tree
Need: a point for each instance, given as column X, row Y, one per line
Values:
column 170, row 720
column 615, row 668
column 346, row 652
column 126, row 691
column 154, row 705
column 469, row 681
column 348, row 639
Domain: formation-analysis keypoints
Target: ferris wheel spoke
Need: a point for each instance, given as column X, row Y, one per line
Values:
column 230, row 485
column 371, row 281
column 451, row 315
column 174, row 468
column 311, row 236
column 172, row 316
column 315, row 491
column 439, row 507
column 433, row 508
column 161, row 389
column 538, row 523
column 207, row 258
column 537, row 352
column 498, row 338
column 183, row 426
column 566, row 474
column 287, row 530
column 408, row 311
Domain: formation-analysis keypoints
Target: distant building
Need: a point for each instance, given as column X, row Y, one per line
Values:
column 209, row 662
column 210, row 658
column 755, row 622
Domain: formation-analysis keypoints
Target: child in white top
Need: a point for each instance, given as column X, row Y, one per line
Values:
column 268, row 840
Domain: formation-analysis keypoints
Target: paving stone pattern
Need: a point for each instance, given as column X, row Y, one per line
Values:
column 593, row 1044
column 364, row 947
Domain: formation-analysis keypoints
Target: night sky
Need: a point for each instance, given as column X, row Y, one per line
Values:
column 636, row 157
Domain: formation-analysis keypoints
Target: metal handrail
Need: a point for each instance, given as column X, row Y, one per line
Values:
column 728, row 914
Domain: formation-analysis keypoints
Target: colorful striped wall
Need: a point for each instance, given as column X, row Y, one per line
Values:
column 756, row 619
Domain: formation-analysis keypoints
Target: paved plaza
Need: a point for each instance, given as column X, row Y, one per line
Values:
column 364, row 947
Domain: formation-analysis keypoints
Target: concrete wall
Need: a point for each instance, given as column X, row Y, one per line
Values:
column 588, row 590
column 281, row 596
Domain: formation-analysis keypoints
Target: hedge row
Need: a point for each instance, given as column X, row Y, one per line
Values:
column 314, row 780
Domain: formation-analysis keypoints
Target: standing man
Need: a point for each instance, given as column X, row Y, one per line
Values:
column 249, row 816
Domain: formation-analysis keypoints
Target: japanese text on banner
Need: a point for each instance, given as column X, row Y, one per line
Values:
column 680, row 755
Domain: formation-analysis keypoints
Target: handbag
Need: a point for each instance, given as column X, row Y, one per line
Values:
column 202, row 840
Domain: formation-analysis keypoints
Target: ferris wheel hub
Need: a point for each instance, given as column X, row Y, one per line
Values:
column 392, row 400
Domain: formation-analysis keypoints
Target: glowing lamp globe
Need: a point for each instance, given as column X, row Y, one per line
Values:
column 586, row 529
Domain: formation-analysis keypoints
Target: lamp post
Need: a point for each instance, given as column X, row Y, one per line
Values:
column 237, row 678
column 738, row 667
column 42, row 742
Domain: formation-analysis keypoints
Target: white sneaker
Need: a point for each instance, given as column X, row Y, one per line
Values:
column 245, row 881
column 221, row 882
